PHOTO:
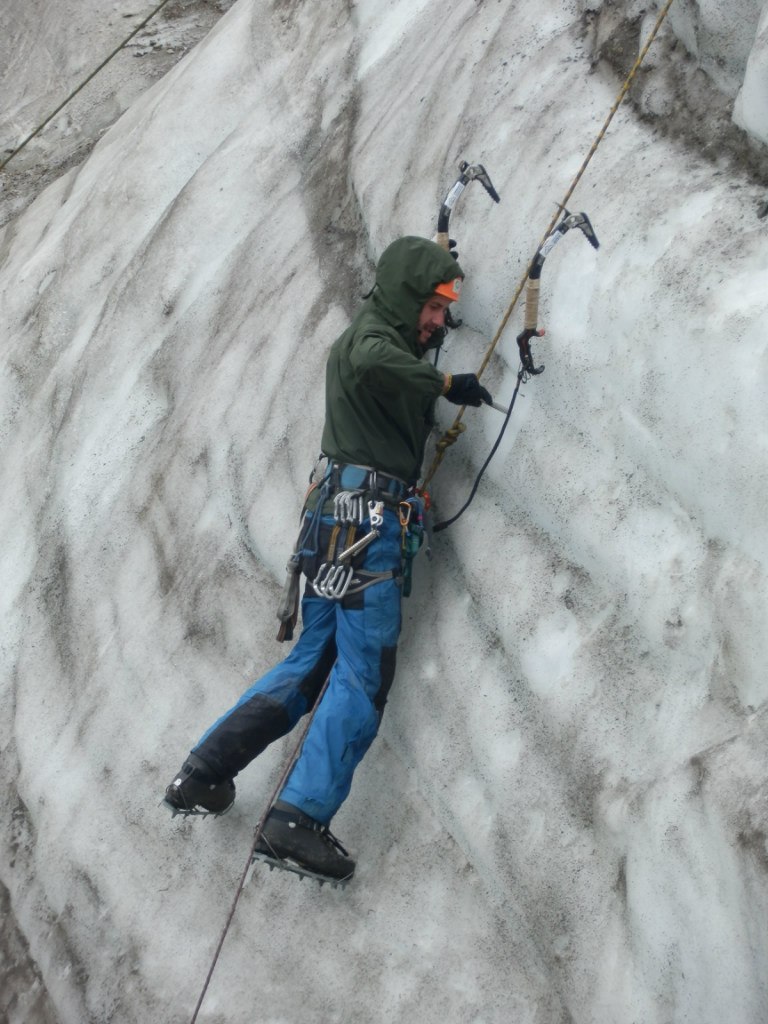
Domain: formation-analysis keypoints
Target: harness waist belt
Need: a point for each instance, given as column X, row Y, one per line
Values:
column 348, row 477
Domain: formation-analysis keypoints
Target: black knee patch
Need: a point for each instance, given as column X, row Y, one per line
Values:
column 387, row 667
column 312, row 683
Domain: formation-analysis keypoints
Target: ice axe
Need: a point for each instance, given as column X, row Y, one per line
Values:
column 530, row 323
column 467, row 173
column 530, row 330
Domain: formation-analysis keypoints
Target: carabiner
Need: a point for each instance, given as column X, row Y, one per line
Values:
column 332, row 581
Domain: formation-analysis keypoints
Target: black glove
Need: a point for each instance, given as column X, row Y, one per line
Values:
column 466, row 389
column 452, row 248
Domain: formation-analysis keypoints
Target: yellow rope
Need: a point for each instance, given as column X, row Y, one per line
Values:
column 82, row 85
column 452, row 434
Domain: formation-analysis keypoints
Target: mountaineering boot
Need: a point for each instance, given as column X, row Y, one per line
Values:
column 289, row 835
column 195, row 791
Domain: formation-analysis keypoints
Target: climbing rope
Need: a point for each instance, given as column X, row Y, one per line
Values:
column 452, row 434
column 82, row 85
column 256, row 836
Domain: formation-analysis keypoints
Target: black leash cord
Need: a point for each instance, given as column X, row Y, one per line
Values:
column 521, row 376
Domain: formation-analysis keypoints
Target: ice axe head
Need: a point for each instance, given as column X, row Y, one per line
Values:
column 582, row 221
column 476, row 172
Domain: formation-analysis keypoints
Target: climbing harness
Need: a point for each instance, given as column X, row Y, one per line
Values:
column 326, row 554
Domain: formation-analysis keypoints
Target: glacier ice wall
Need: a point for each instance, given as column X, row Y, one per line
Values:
column 564, row 817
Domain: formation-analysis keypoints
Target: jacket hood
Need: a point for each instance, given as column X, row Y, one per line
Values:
column 407, row 274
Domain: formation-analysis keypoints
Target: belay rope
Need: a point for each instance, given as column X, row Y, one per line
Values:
column 256, row 836
column 448, row 438
column 82, row 85
column 451, row 435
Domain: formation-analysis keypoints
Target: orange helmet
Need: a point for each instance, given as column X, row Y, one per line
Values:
column 450, row 289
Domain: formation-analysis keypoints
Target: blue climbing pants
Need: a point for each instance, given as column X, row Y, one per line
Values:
column 355, row 639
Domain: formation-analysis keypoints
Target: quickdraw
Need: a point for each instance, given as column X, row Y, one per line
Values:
column 413, row 523
column 349, row 507
column 335, row 577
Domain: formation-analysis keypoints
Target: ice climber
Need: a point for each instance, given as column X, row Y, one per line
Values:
column 379, row 410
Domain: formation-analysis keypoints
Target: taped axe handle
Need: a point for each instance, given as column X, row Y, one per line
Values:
column 531, row 318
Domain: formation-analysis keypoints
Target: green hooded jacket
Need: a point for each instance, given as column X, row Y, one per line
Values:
column 379, row 392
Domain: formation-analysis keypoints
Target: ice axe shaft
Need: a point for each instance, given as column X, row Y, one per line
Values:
column 498, row 407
